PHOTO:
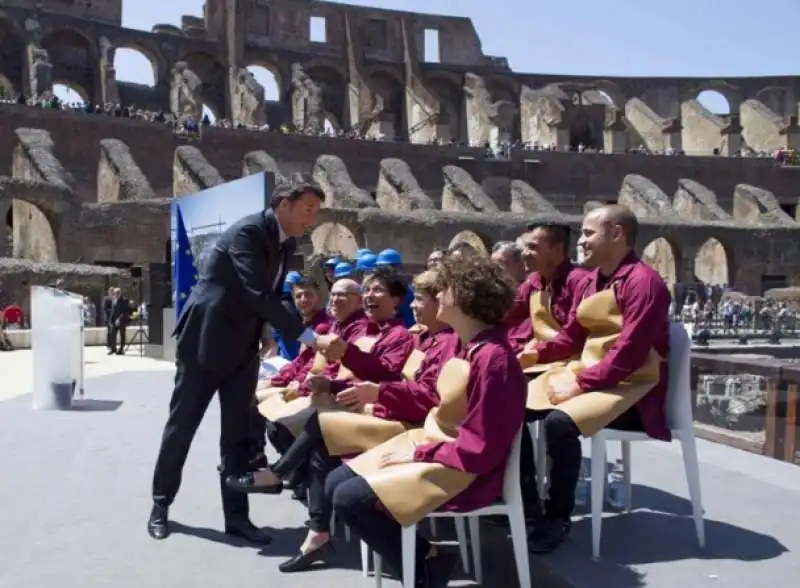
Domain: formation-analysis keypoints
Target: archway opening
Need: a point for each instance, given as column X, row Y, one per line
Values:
column 32, row 234
column 328, row 128
column 268, row 79
column 133, row 66
column 70, row 95
column 7, row 91
column 209, row 114
column 7, row 245
column 74, row 59
column 714, row 102
column 334, row 239
column 711, row 264
column 478, row 243
column 659, row 255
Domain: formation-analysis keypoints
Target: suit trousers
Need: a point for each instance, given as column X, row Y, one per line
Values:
column 195, row 386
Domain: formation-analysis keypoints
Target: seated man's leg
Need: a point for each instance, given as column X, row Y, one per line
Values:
column 281, row 439
column 355, row 503
column 564, row 449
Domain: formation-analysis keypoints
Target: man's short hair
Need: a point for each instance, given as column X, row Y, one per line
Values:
column 293, row 188
column 307, row 282
column 557, row 233
column 617, row 214
column 514, row 249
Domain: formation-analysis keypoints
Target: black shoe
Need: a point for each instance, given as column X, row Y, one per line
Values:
column 548, row 535
column 112, row 351
column 158, row 523
column 246, row 483
column 120, row 353
column 305, row 561
column 438, row 570
column 247, row 531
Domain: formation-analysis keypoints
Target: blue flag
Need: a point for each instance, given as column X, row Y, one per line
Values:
column 185, row 275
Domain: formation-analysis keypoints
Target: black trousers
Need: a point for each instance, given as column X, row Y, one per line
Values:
column 562, row 437
column 281, row 439
column 258, row 430
column 195, row 386
column 309, row 450
column 114, row 332
column 356, row 504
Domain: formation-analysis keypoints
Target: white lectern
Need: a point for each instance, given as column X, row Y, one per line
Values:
column 57, row 342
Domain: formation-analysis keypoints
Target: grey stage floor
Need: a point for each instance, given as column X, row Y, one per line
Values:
column 74, row 499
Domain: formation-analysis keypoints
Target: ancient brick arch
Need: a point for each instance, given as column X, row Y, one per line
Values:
column 389, row 88
column 74, row 58
column 450, row 90
column 732, row 94
column 36, row 209
column 150, row 52
column 481, row 244
column 12, row 54
column 713, row 263
column 662, row 256
column 332, row 238
column 503, row 88
column 777, row 99
column 214, row 77
column 334, row 88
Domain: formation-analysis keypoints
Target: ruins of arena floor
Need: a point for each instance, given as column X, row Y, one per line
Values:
column 74, row 501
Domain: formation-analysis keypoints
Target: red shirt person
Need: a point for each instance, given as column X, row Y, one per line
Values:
column 620, row 328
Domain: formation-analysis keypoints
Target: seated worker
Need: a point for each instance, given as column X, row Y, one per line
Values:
column 457, row 460
column 321, row 440
column 541, row 307
column 288, row 349
column 391, row 259
column 621, row 331
column 275, row 400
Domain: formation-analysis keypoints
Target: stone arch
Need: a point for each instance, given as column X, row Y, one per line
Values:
column 7, row 89
column 712, row 263
column 133, row 57
column 778, row 100
column 74, row 59
column 210, row 112
column 269, row 76
column 660, row 255
column 390, row 91
column 482, row 245
column 70, row 92
column 503, row 88
column 334, row 239
column 32, row 233
column 716, row 94
column 12, row 54
column 449, row 88
column 334, row 90
column 214, row 77
column 610, row 92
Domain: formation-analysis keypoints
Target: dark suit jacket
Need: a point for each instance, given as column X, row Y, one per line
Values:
column 120, row 311
column 107, row 304
column 236, row 294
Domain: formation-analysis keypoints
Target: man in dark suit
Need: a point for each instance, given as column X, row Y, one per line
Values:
column 219, row 331
column 118, row 321
column 108, row 302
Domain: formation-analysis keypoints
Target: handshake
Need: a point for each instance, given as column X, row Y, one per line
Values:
column 332, row 347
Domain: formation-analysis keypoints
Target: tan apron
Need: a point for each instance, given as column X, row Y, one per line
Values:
column 294, row 413
column 348, row 433
column 599, row 314
column 409, row 491
column 545, row 328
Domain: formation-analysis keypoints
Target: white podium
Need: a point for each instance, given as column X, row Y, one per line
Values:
column 57, row 342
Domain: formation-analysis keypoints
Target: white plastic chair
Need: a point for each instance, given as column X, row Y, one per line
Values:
column 679, row 420
column 510, row 505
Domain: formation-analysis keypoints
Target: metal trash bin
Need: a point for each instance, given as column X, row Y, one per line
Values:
column 62, row 393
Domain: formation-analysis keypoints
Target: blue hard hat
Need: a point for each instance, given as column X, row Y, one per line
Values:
column 343, row 270
column 293, row 277
column 366, row 262
column 389, row 257
column 362, row 252
column 331, row 262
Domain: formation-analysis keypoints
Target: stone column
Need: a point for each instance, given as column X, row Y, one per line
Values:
column 792, row 133
column 615, row 134
column 673, row 132
column 731, row 137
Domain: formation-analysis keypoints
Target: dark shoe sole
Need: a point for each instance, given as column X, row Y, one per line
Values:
column 303, row 563
column 260, row 540
column 233, row 484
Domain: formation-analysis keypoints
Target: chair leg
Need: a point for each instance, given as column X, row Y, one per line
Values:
column 475, row 540
column 542, row 465
column 432, row 523
column 378, row 570
column 692, row 467
column 598, row 486
column 365, row 559
column 519, row 540
column 347, row 533
column 409, row 555
column 463, row 543
column 626, row 473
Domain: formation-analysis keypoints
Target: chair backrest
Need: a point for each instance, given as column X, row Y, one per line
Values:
column 512, row 491
column 679, row 385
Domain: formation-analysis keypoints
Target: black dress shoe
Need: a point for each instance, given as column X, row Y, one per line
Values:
column 548, row 534
column 246, row 483
column 438, row 570
column 305, row 561
column 247, row 531
column 158, row 523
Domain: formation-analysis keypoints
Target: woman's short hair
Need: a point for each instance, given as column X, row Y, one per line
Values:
column 428, row 283
column 480, row 287
column 393, row 281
